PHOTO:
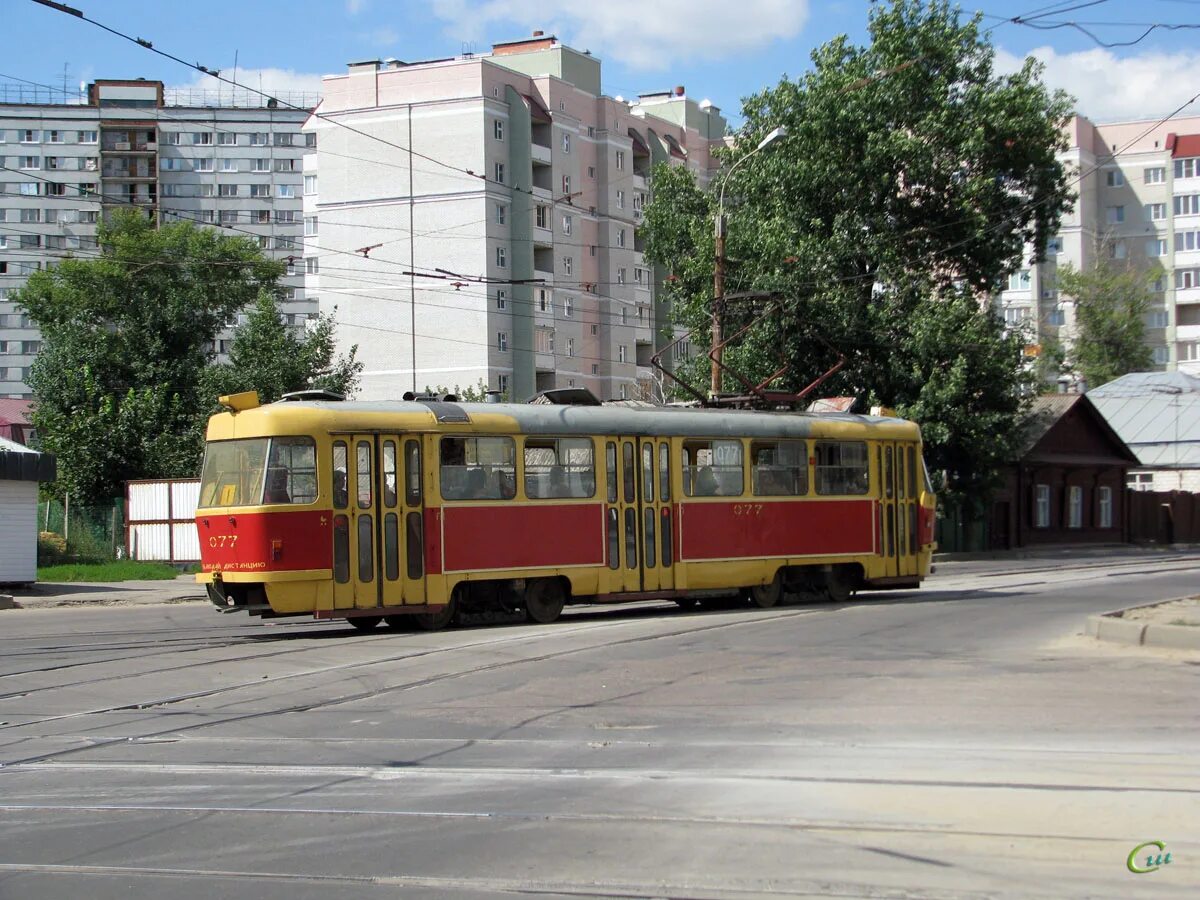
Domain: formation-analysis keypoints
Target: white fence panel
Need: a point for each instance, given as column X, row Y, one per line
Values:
column 149, row 501
column 150, row 542
column 161, row 523
column 184, row 497
column 185, row 542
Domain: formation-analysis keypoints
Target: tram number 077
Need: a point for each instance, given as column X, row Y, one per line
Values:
column 747, row 509
column 221, row 541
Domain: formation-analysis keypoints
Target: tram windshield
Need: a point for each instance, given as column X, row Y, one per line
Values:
column 255, row 471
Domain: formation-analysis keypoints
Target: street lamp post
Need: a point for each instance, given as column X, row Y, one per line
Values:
column 718, row 307
column 1174, row 391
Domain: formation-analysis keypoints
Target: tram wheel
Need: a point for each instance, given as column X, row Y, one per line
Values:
column 399, row 623
column 544, row 601
column 839, row 587
column 764, row 596
column 364, row 623
column 687, row 602
column 442, row 618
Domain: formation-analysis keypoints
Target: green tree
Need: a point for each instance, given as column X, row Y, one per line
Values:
column 269, row 357
column 912, row 179
column 126, row 338
column 1110, row 305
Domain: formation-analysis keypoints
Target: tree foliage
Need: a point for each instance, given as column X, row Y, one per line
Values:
column 912, row 179
column 122, row 383
column 1111, row 300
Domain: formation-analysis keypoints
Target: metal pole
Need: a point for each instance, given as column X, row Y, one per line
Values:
column 66, row 517
column 718, row 307
column 412, row 263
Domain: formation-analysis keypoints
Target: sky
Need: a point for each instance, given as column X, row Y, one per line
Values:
column 718, row 50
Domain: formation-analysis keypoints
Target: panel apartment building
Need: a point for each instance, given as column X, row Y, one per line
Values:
column 216, row 159
column 1139, row 204
column 504, row 247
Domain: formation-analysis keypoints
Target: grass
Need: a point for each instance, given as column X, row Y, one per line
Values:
column 120, row 570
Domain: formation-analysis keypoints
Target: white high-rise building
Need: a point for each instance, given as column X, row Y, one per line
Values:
column 232, row 162
column 504, row 248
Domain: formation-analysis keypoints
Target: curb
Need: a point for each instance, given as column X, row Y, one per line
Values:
column 73, row 603
column 1110, row 627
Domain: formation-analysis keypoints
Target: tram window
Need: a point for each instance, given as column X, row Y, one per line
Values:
column 415, row 552
column 366, row 552
column 630, row 478
column 666, row 538
column 779, row 468
column 912, row 471
column 631, row 538
column 614, row 539
column 664, row 473
column 340, row 495
column 648, row 520
column 389, row 474
column 610, row 470
column 901, row 475
column 341, row 549
column 391, row 547
column 557, row 468
column 888, row 486
column 259, row 470
column 712, row 468
column 648, row 472
column 362, row 470
column 478, row 468
column 842, row 467
column 412, row 473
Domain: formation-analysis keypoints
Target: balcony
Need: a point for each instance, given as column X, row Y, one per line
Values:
column 1187, row 333
column 542, row 237
column 540, row 154
column 1187, row 295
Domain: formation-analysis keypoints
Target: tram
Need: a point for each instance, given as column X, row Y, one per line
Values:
column 413, row 512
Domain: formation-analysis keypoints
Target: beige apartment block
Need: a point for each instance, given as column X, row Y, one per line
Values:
column 482, row 216
column 1138, row 203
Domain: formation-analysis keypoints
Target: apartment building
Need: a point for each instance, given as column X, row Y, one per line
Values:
column 1139, row 204
column 483, row 214
column 200, row 156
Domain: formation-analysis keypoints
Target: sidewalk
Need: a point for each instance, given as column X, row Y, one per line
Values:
column 46, row 595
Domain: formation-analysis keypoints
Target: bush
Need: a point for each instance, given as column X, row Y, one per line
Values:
column 52, row 549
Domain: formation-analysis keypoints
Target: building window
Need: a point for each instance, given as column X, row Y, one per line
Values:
column 1042, row 507
column 259, row 139
column 621, row 280
column 595, row 369
column 620, row 159
column 1074, row 506
column 502, row 384
column 285, row 191
column 567, row 224
column 498, row 129
column 1014, row 315
column 1117, row 250
column 1104, row 514
column 1187, row 168
column 227, row 190
column 1115, row 215
column 1155, row 175
column 87, row 137
column 226, row 138
column 1162, row 356
column 284, row 139
column 543, row 300
column 502, row 257
column 202, row 164
column 620, row 237
column 566, row 143
column 501, row 300
column 30, row 189
column 1158, row 318
column 624, row 395
column 312, row 265
column 1156, row 247
column 500, row 173
column 502, row 341
column 31, row 162
column 225, row 217
column 570, row 346
column 310, row 141
column 543, row 217
column 1054, row 246
column 566, row 186
column 568, row 307
column 568, row 265
column 1189, row 351
column 310, row 183
column 1156, row 212
column 1187, row 204
column 620, row 199
column 591, row 131
column 1056, row 317
column 286, row 165
column 621, row 353
column 310, row 225
column 1140, row 481
column 30, row 136
column 591, row 170
column 202, row 138
column 1114, row 178
column 500, row 214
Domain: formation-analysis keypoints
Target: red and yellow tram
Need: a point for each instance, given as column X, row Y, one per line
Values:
column 389, row 510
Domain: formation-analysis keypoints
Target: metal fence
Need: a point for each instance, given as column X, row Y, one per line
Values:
column 90, row 533
column 161, row 520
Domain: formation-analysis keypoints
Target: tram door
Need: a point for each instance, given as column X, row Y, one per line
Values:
column 622, row 530
column 908, row 500
column 378, row 557
column 887, row 508
column 657, row 525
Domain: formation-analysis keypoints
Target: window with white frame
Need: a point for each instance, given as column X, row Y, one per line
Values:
column 542, row 217
column 225, row 216
column 202, row 138
column 1162, row 356
column 1187, row 168
column 1187, row 240
column 1156, row 247
column 30, row 189
column 226, row 138
column 260, row 190
column 543, row 300
column 1014, row 315
column 310, row 226
column 1189, row 351
column 202, row 164
column 312, row 265
column 502, row 257
column 502, row 341
column 568, row 224
column 227, row 190
column 1074, row 506
column 568, row 307
column 88, row 137
column 1117, row 250
column 500, row 213
column 621, row 279
column 568, row 265
column 287, row 165
column 259, row 139
column 1114, row 178
column 621, row 353
column 1154, row 175
column 284, row 138
column 1187, row 278
column 171, row 138
column 502, row 384
column 1140, row 481
column 566, row 143
column 285, row 191
column 1056, row 317
column 229, row 165
column 1114, row 215
column 1042, row 506
column 620, row 159
column 620, row 237
column 1186, row 204
column 498, row 129
column 30, row 136
column 1158, row 318
column 570, row 346
column 1155, row 212
column 502, row 299
column 310, row 183
column 623, row 392
column 31, row 162
column 620, row 199
column 1104, row 511
column 499, row 170
column 566, row 185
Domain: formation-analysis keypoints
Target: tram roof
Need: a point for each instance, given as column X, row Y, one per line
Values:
column 609, row 419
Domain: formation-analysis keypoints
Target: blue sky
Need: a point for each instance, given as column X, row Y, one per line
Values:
column 718, row 49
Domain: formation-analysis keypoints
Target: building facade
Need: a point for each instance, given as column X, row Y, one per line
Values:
column 1138, row 204
column 484, row 214
column 201, row 157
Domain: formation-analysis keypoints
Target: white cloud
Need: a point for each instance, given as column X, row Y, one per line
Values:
column 1108, row 87
column 643, row 35
column 354, row 7
column 269, row 81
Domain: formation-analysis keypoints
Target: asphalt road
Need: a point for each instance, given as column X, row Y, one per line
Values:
column 958, row 741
